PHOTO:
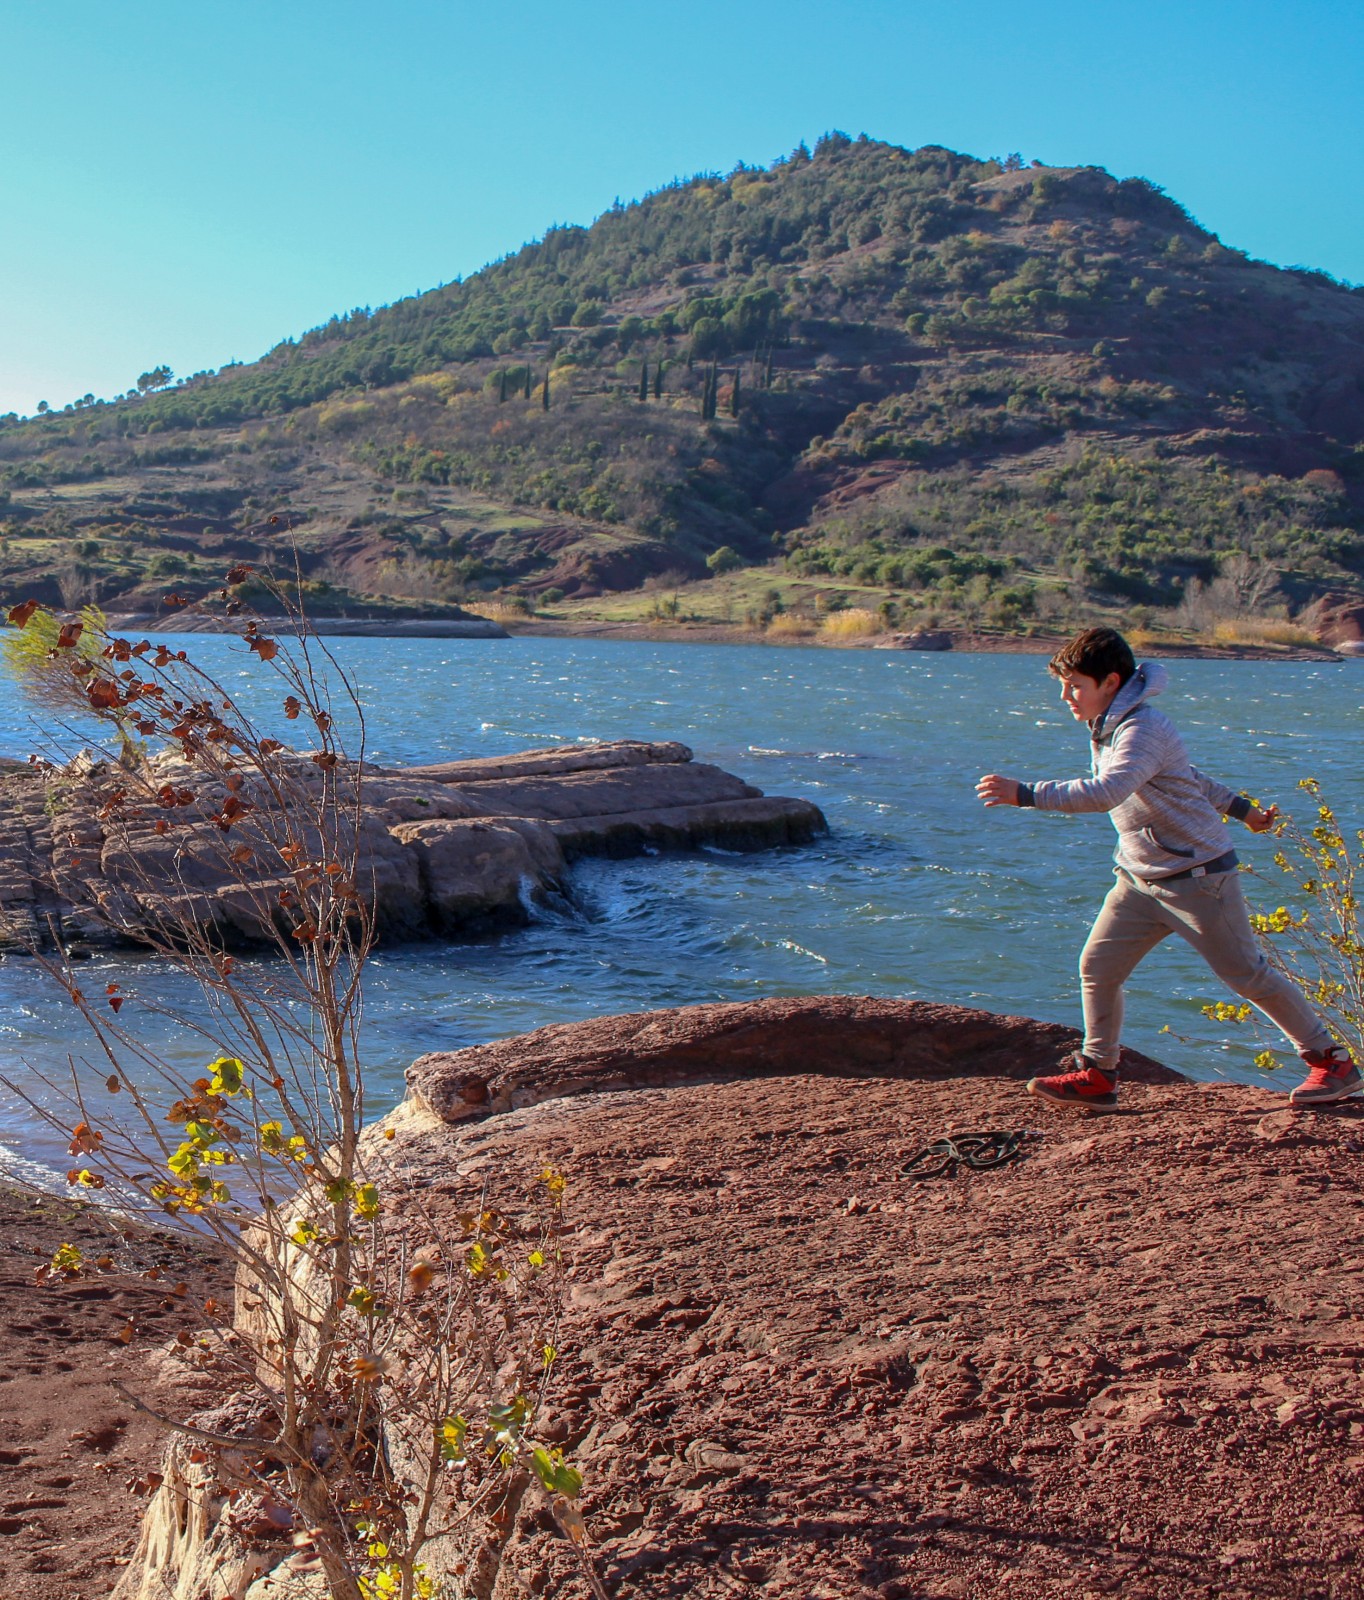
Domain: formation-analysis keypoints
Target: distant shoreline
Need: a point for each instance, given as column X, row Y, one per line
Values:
column 472, row 627
column 476, row 627
column 962, row 642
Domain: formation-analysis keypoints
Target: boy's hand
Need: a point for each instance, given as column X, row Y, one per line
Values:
column 1261, row 821
column 997, row 791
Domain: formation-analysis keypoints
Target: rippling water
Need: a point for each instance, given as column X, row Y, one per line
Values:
column 916, row 891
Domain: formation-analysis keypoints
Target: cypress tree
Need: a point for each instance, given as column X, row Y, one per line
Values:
column 526, row 393
column 502, row 386
column 544, row 393
column 767, row 381
column 658, row 380
column 710, row 392
column 734, row 395
column 644, row 380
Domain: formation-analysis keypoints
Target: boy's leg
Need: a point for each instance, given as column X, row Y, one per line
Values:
column 1129, row 926
column 1211, row 914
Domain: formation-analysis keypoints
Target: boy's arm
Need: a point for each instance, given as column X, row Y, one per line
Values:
column 1227, row 801
column 1239, row 807
column 1136, row 760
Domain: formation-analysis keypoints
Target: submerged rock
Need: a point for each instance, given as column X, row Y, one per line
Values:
column 459, row 847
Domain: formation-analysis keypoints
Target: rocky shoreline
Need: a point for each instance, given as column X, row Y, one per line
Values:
column 444, row 851
column 1131, row 1361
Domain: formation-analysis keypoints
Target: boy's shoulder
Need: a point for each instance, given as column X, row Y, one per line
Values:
column 1145, row 721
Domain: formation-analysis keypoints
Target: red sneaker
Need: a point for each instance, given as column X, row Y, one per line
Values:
column 1086, row 1088
column 1331, row 1075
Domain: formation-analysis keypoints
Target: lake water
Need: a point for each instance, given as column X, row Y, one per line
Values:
column 916, row 892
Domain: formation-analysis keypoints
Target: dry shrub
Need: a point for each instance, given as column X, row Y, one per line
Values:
column 787, row 626
column 501, row 610
column 1262, row 630
column 396, row 1364
column 855, row 623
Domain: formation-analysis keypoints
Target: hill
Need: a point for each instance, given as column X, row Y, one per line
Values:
column 962, row 388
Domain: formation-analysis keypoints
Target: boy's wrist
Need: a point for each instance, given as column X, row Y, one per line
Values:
column 1240, row 808
column 1025, row 795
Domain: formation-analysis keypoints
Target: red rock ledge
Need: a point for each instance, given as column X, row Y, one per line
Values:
column 852, row 1035
column 1128, row 1364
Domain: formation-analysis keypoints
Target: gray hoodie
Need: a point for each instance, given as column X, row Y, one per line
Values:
column 1167, row 813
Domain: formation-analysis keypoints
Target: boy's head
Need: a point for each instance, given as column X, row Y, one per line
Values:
column 1092, row 668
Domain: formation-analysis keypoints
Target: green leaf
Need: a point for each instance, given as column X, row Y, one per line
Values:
column 227, row 1076
column 451, row 1435
column 556, row 1477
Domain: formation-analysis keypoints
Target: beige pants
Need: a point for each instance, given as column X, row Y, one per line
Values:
column 1209, row 912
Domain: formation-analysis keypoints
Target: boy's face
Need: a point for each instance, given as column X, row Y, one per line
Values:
column 1086, row 698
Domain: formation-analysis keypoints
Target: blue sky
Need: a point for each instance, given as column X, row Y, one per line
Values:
column 190, row 183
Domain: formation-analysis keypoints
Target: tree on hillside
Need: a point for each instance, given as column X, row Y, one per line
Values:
column 158, row 378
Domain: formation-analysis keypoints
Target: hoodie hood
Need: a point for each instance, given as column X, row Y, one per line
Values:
column 1149, row 680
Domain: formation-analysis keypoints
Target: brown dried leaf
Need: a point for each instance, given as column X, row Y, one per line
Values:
column 104, row 695
column 84, row 1140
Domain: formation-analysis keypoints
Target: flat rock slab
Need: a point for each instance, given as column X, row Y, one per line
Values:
column 852, row 1035
column 453, row 849
column 1130, row 1362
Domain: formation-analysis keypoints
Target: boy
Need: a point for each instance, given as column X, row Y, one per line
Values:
column 1176, row 873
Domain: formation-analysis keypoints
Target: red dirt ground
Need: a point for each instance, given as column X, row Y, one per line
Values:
column 69, row 1445
column 1130, row 1363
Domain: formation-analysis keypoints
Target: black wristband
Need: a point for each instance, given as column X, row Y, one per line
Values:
column 1239, row 809
column 1025, row 795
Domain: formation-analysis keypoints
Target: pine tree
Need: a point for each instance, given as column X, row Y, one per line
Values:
column 644, row 380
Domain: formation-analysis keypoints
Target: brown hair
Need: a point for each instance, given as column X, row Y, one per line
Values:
column 1094, row 653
